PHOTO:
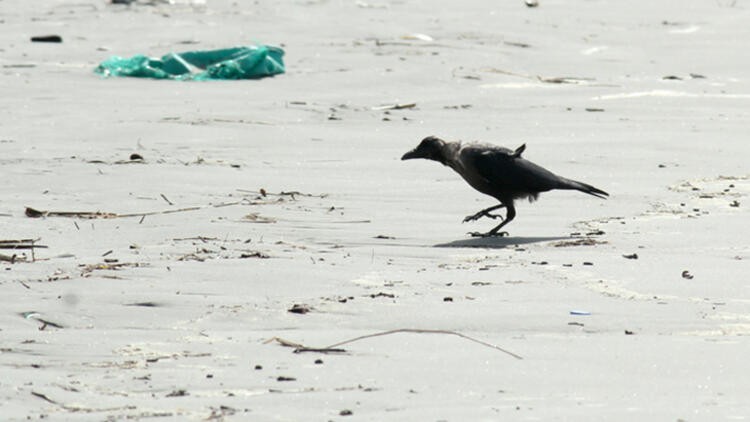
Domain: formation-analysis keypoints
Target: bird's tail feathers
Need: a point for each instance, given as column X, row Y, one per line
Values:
column 583, row 187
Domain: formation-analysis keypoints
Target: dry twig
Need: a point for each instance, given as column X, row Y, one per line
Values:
column 334, row 348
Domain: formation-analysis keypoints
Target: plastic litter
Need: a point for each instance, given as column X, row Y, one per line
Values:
column 580, row 312
column 246, row 62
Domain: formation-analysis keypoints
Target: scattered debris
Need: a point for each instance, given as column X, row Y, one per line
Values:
column 282, row 378
column 564, row 80
column 394, row 106
column 588, row 263
column 382, row 236
column 531, row 3
column 166, row 199
column 447, row 299
column 686, row 275
column 299, row 308
column 594, row 110
column 346, row 412
column 254, row 217
column 293, row 194
column 580, row 312
column 629, row 333
column 37, row 316
column 12, row 258
column 136, row 157
column 734, row 203
column 382, row 294
column 47, row 38
column 33, row 213
column 672, row 78
column 144, row 304
column 418, row 37
column 517, row 44
column 256, row 254
column 631, row 256
column 87, row 269
column 20, row 244
column 43, row 397
column 177, row 393
column 318, row 361
column 584, row 241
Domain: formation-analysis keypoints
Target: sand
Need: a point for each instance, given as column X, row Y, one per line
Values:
column 176, row 315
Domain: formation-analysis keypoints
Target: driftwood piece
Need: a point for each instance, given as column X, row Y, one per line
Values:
column 20, row 244
column 34, row 213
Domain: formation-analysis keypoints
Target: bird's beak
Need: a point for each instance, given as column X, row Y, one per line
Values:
column 411, row 154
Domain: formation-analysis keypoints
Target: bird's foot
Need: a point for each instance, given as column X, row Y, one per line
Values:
column 488, row 234
column 481, row 214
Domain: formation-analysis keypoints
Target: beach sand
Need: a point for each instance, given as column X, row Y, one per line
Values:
column 256, row 196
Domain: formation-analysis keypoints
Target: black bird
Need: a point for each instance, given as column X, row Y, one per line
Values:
column 497, row 172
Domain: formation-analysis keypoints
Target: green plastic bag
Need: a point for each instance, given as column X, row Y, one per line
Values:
column 251, row 62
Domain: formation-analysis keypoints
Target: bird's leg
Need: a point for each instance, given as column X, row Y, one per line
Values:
column 496, row 231
column 484, row 213
column 488, row 234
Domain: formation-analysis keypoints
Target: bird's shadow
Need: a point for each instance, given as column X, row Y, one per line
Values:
column 497, row 242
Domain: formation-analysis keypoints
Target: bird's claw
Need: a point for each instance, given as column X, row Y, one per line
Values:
column 488, row 234
column 481, row 214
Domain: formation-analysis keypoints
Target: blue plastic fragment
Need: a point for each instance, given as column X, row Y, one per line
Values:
column 247, row 62
column 580, row 312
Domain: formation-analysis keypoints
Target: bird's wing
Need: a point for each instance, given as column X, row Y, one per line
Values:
column 501, row 168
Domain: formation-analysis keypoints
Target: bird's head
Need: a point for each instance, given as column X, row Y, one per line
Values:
column 431, row 148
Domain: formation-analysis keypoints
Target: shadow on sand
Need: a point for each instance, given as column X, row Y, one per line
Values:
column 497, row 242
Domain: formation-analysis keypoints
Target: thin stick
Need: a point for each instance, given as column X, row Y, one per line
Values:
column 421, row 331
column 44, row 397
column 165, row 198
column 14, row 241
column 299, row 348
column 20, row 244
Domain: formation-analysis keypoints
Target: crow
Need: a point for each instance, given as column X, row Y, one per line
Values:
column 498, row 172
